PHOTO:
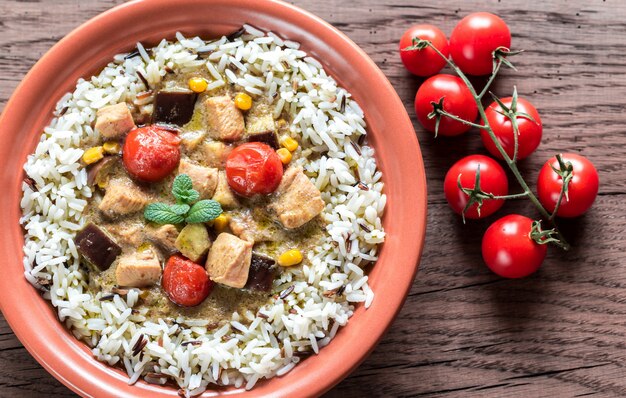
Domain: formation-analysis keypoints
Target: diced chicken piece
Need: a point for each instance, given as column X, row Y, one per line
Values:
column 245, row 227
column 164, row 236
column 224, row 118
column 192, row 139
column 229, row 259
column 299, row 200
column 123, row 197
column 204, row 179
column 193, row 241
column 215, row 154
column 223, row 194
column 138, row 269
column 127, row 233
column 114, row 121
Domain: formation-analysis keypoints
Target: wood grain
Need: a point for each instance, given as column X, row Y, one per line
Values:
column 463, row 331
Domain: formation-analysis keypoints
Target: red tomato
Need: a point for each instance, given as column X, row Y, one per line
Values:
column 457, row 100
column 151, row 153
column 253, row 168
column 424, row 62
column 475, row 38
column 492, row 180
column 582, row 188
column 185, row 282
column 529, row 132
column 508, row 249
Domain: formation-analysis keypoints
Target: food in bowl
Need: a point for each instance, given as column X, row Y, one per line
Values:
column 201, row 213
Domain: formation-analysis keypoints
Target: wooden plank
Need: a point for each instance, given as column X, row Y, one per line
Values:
column 463, row 331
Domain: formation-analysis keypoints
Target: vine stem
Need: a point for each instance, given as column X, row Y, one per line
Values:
column 458, row 119
column 510, row 162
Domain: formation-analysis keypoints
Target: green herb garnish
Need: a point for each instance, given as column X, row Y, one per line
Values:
column 187, row 207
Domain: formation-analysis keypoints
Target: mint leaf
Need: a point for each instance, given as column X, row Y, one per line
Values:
column 183, row 191
column 162, row 213
column 203, row 211
column 181, row 210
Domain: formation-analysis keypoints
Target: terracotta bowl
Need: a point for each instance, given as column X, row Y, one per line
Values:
column 86, row 50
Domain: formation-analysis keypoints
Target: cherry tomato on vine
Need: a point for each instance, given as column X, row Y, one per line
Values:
column 529, row 131
column 493, row 180
column 509, row 250
column 457, row 100
column 185, row 282
column 475, row 38
column 151, row 153
column 582, row 188
column 253, row 168
column 424, row 62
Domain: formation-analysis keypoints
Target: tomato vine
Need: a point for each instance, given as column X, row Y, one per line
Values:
column 500, row 55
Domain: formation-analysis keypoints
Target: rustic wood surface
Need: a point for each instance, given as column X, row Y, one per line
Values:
column 463, row 331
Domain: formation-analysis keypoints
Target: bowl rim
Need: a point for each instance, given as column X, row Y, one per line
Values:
column 108, row 382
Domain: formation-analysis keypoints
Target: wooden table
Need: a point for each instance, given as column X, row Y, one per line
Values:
column 463, row 331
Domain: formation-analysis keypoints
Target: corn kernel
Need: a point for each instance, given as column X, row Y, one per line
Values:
column 102, row 183
column 289, row 258
column 284, row 155
column 243, row 101
column 221, row 222
column 198, row 84
column 112, row 147
column 290, row 144
column 144, row 246
column 92, row 155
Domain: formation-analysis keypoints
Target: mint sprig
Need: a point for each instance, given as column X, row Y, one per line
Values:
column 162, row 213
column 187, row 208
column 203, row 211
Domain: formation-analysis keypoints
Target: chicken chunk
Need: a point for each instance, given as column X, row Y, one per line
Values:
column 204, row 179
column 114, row 121
column 224, row 118
column 191, row 140
column 123, row 197
column 298, row 201
column 223, row 194
column 126, row 233
column 215, row 153
column 164, row 236
column 247, row 228
column 138, row 269
column 229, row 259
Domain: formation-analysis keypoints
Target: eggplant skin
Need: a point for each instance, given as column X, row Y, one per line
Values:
column 261, row 274
column 174, row 107
column 266, row 137
column 97, row 247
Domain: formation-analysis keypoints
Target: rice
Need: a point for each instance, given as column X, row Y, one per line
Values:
column 311, row 302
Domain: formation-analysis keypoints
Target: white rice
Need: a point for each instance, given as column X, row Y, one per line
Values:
column 250, row 347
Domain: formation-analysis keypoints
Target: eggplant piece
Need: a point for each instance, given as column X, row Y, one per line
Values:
column 174, row 107
column 97, row 172
column 267, row 137
column 97, row 247
column 262, row 273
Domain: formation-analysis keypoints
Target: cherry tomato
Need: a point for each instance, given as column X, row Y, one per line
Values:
column 492, row 180
column 582, row 188
column 185, row 282
column 457, row 100
column 529, row 131
column 151, row 153
column 475, row 38
column 424, row 62
column 253, row 168
column 508, row 249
